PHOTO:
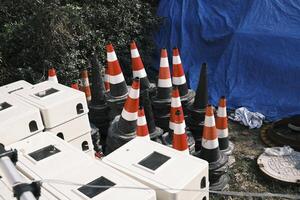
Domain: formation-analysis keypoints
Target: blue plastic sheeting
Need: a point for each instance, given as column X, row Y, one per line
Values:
column 252, row 48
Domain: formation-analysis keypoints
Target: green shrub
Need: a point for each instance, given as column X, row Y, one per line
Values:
column 36, row 34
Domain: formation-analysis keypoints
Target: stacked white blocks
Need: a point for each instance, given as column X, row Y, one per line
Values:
column 46, row 157
column 177, row 176
column 64, row 112
column 15, row 86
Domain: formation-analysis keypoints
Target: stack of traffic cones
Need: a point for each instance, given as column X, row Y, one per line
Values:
column 98, row 107
column 197, row 109
column 211, row 153
column 154, row 131
column 179, row 80
column 162, row 100
column 85, row 85
column 180, row 140
column 142, row 128
column 118, row 89
column 123, row 127
column 74, row 85
column 222, row 128
column 52, row 75
column 177, row 119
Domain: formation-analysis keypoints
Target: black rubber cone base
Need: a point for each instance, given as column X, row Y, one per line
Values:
column 196, row 123
column 115, row 137
column 228, row 151
column 223, row 159
column 116, row 106
column 220, row 184
column 156, row 134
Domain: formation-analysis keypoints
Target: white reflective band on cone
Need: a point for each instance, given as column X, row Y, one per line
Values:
column 53, row 78
column 164, row 62
column 164, row 83
column 134, row 93
column 85, row 82
column 179, row 129
column 179, row 80
column 222, row 112
column 222, row 133
column 141, row 121
column 116, row 79
column 210, row 144
column 111, row 56
column 139, row 73
column 175, row 102
column 209, row 121
column 176, row 60
column 128, row 115
column 134, row 53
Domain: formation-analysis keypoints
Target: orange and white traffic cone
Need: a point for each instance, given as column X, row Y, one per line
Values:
column 106, row 79
column 180, row 140
column 74, row 85
column 222, row 128
column 52, row 75
column 142, row 127
column 138, row 69
column 175, row 106
column 178, row 76
column 164, row 85
column 211, row 153
column 123, row 127
column 118, row 87
column 86, row 85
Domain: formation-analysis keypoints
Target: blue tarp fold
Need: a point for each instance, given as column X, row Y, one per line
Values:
column 252, row 48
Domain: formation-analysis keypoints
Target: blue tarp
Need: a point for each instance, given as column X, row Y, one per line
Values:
column 252, row 48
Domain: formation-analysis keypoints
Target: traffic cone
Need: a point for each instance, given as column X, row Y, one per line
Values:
column 86, row 85
column 178, row 76
column 180, row 140
column 106, row 79
column 197, row 109
column 164, row 85
column 162, row 100
column 175, row 107
column 123, row 127
column 142, row 128
column 74, row 85
column 211, row 153
column 118, row 87
column 52, row 75
column 179, row 80
column 138, row 69
column 222, row 128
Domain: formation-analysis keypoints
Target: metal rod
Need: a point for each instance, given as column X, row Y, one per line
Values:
column 12, row 175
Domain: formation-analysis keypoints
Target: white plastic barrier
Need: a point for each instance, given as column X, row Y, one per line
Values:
column 45, row 156
column 18, row 119
column 15, row 86
column 177, row 176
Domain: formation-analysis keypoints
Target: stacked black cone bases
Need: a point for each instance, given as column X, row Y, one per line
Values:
column 98, row 108
column 123, row 127
column 197, row 109
column 154, row 131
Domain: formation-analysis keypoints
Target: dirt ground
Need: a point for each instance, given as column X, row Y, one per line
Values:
column 245, row 175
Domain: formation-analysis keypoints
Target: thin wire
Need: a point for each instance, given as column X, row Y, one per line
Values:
column 226, row 193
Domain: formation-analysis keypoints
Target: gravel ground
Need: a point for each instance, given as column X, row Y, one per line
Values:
column 245, row 175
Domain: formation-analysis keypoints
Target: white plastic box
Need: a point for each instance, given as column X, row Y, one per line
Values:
column 57, row 103
column 18, row 119
column 5, row 192
column 45, row 156
column 84, row 143
column 72, row 129
column 159, row 166
column 15, row 86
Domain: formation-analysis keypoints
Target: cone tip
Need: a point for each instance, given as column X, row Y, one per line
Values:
column 209, row 110
column 109, row 47
column 164, row 53
column 132, row 44
column 175, row 51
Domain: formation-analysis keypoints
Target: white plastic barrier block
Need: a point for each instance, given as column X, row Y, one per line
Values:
column 161, row 167
column 15, row 86
column 57, row 103
column 45, row 156
column 5, row 192
column 18, row 119
column 84, row 143
column 72, row 129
